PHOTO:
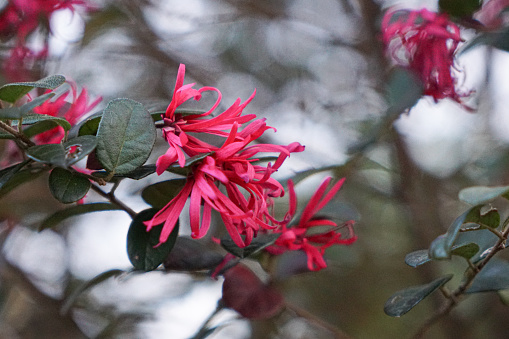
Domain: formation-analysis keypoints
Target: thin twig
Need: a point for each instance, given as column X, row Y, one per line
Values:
column 454, row 297
column 113, row 199
column 17, row 134
column 317, row 321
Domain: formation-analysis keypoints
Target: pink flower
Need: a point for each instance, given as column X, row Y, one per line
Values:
column 21, row 60
column 22, row 17
column 301, row 237
column 177, row 126
column 425, row 42
column 72, row 112
column 243, row 208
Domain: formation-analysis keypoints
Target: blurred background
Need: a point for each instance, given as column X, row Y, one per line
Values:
column 320, row 74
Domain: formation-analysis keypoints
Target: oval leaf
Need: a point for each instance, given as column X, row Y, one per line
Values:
column 63, row 155
column 12, row 92
column 403, row 301
column 417, row 258
column 21, row 177
column 58, row 217
column 126, row 136
column 42, row 122
column 7, row 173
column 159, row 194
column 403, row 91
column 477, row 195
column 191, row 255
column 19, row 112
column 466, row 251
column 441, row 247
column 493, row 277
column 67, row 186
column 258, row 244
column 141, row 244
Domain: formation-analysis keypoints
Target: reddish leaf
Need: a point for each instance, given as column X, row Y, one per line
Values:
column 244, row 292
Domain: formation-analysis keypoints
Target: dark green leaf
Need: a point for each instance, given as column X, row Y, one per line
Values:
column 441, row 247
column 466, row 251
column 482, row 238
column 7, row 173
column 89, row 126
column 126, row 136
column 76, row 210
column 175, row 168
column 142, row 246
column 493, row 277
column 137, row 174
column 67, row 186
column 417, row 258
column 5, row 135
column 485, row 216
column 403, row 91
column 61, row 155
column 258, row 244
column 12, row 92
column 42, row 122
column 159, row 194
column 19, row 112
column 403, row 301
column 71, row 300
column 191, row 255
column 157, row 116
column 481, row 194
column 459, row 8
column 21, row 177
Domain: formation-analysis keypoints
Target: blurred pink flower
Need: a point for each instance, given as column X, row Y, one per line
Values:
column 21, row 60
column 72, row 112
column 492, row 14
column 301, row 236
column 425, row 42
column 22, row 17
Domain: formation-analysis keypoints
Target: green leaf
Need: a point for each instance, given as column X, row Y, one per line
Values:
column 142, row 246
column 126, row 136
column 89, row 126
column 71, row 300
column 175, row 168
column 21, row 177
column 258, row 244
column 42, row 122
column 477, row 195
column 459, row 8
column 61, row 155
column 67, row 186
column 72, row 211
column 403, row 301
column 159, row 194
column 19, row 112
column 493, row 277
column 466, row 251
column 403, row 91
column 191, row 255
column 12, row 92
column 7, row 173
column 137, row 174
column 485, row 216
column 441, row 247
column 417, row 258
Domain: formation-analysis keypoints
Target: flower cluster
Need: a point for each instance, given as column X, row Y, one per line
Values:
column 426, row 43
column 19, row 19
column 308, row 233
column 234, row 164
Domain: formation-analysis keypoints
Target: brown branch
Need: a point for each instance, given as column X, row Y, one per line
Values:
column 113, row 199
column 17, row 134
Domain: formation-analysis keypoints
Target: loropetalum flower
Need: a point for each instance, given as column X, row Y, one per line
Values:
column 302, row 236
column 426, row 43
column 71, row 111
column 242, row 204
column 22, row 17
